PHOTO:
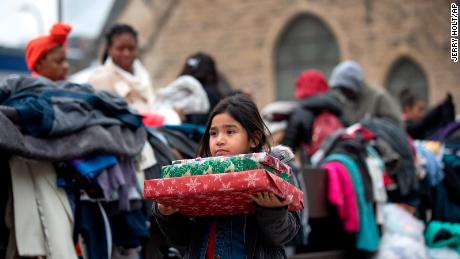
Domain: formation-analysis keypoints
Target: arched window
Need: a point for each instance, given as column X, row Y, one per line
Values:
column 306, row 43
column 405, row 73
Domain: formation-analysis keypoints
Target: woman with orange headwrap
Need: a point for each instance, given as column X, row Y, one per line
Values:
column 46, row 55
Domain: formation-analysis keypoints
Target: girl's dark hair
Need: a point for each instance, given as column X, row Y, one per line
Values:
column 407, row 98
column 116, row 30
column 245, row 111
column 202, row 67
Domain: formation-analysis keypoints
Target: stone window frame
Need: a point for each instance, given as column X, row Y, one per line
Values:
column 285, row 86
column 407, row 72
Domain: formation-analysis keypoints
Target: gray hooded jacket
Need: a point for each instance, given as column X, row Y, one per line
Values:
column 370, row 101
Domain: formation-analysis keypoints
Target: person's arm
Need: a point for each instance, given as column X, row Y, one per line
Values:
column 298, row 129
column 176, row 227
column 278, row 225
column 432, row 119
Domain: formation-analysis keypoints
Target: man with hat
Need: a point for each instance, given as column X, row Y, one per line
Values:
column 361, row 100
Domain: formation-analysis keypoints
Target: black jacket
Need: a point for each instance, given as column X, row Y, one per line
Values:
column 404, row 172
column 266, row 231
column 434, row 119
column 299, row 129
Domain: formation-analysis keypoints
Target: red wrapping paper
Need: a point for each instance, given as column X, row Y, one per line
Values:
column 220, row 194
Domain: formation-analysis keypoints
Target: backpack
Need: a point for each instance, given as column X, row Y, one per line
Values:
column 325, row 124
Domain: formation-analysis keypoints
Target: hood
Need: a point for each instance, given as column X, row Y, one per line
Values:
column 321, row 102
column 347, row 74
column 283, row 153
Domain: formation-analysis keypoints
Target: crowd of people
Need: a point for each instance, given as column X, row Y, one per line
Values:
column 75, row 157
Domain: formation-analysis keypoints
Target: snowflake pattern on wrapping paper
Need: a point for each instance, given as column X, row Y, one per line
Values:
column 194, row 200
column 226, row 187
column 251, row 179
column 170, row 190
column 217, row 177
column 193, row 184
column 221, row 164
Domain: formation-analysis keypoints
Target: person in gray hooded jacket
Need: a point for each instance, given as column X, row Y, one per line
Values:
column 362, row 100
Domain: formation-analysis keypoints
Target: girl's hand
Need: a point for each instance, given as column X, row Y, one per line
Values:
column 269, row 200
column 166, row 210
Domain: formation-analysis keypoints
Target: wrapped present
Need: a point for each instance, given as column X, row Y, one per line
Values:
column 220, row 194
column 221, row 164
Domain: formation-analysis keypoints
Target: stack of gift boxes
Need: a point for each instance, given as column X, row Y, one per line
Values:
column 222, row 185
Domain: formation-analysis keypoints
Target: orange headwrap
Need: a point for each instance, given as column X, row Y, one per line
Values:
column 39, row 46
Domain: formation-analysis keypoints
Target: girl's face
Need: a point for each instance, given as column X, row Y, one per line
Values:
column 53, row 65
column 123, row 51
column 227, row 137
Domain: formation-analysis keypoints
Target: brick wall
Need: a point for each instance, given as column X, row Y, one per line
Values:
column 242, row 36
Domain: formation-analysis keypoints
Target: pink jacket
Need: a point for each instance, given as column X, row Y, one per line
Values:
column 341, row 193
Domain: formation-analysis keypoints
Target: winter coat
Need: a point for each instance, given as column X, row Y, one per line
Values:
column 369, row 101
column 434, row 119
column 372, row 102
column 111, row 139
column 60, row 108
column 405, row 170
column 266, row 231
column 299, row 128
column 185, row 93
column 136, row 88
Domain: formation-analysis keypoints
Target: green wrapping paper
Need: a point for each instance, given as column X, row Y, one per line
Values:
column 218, row 165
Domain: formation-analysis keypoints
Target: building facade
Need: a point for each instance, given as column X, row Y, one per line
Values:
column 261, row 46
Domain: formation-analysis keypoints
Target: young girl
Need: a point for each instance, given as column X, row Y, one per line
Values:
column 234, row 127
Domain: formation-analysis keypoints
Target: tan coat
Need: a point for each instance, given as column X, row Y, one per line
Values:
column 135, row 88
column 43, row 219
